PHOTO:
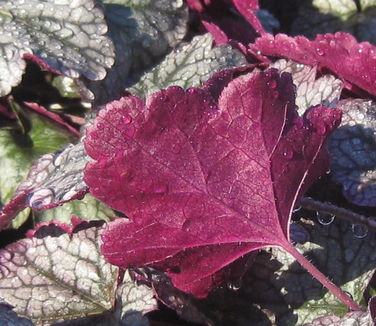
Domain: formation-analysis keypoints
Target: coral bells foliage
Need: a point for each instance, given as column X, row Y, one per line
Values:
column 204, row 175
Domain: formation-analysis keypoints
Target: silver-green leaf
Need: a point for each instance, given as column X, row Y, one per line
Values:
column 68, row 36
column 189, row 66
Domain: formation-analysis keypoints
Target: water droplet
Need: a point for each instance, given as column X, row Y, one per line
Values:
column 100, row 126
column 328, row 171
column 272, row 83
column 126, row 119
column 297, row 209
column 325, row 218
column 288, row 154
column 160, row 189
column 320, row 51
column 234, row 286
column 360, row 231
column 321, row 129
column 360, row 50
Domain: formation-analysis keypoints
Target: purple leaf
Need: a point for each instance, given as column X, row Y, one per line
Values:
column 204, row 181
column 326, row 51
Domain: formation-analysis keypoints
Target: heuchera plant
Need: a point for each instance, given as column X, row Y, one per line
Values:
column 175, row 168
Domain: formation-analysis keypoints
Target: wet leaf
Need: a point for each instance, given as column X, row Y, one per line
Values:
column 18, row 152
column 67, row 36
column 188, row 66
column 309, row 90
column 62, row 277
column 142, row 32
column 52, row 180
column 205, row 175
column 353, row 149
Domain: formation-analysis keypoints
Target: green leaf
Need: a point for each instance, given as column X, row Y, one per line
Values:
column 88, row 208
column 66, row 35
column 18, row 151
column 142, row 32
column 188, row 66
column 353, row 150
column 63, row 277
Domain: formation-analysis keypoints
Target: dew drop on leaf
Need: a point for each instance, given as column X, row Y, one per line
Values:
column 325, row 218
column 272, row 84
column 297, row 209
column 126, row 119
column 359, row 231
column 320, row 52
column 234, row 286
column 288, row 154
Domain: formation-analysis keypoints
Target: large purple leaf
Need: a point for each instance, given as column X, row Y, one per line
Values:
column 204, row 181
column 326, row 51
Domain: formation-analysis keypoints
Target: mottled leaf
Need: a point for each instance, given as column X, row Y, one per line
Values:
column 142, row 32
column 354, row 318
column 329, row 16
column 62, row 277
column 188, row 66
column 52, row 180
column 205, row 177
column 328, row 51
column 284, row 293
column 9, row 318
column 353, row 149
column 309, row 90
column 68, row 36
column 18, row 152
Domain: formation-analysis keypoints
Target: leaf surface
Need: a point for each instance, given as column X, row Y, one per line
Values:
column 205, row 175
column 188, row 66
column 18, row 151
column 326, row 51
column 61, row 276
column 142, row 32
column 9, row 318
column 52, row 180
column 68, row 36
column 353, row 149
column 329, row 16
column 309, row 90
column 282, row 293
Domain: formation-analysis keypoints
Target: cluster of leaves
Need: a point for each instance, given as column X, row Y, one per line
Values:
column 166, row 143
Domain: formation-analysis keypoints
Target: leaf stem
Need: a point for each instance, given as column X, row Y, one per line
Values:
column 341, row 295
column 340, row 212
